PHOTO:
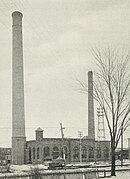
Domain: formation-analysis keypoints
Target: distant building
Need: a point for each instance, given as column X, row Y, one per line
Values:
column 124, row 152
column 5, row 156
column 129, row 146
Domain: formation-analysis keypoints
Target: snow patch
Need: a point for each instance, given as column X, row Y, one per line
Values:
column 26, row 168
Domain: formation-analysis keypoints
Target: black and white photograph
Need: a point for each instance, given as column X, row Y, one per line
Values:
column 64, row 89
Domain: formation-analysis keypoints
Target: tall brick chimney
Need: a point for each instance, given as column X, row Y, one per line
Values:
column 91, row 124
column 18, row 116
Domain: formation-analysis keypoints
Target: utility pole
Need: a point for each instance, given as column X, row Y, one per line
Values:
column 80, row 145
column 122, row 146
column 63, row 150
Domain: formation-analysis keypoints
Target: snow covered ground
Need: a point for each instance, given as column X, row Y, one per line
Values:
column 26, row 168
column 121, row 175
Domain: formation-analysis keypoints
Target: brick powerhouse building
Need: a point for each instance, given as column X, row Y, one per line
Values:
column 42, row 149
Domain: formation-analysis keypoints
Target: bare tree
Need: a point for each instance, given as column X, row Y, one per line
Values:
column 112, row 92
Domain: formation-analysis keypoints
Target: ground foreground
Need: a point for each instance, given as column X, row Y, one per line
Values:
column 93, row 173
column 121, row 175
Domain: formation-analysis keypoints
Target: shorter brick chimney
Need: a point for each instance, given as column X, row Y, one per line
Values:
column 91, row 124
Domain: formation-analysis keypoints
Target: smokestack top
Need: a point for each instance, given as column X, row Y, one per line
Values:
column 17, row 18
column 16, row 14
column 90, row 72
column 90, row 76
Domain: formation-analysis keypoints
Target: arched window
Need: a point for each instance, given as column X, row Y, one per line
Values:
column 38, row 153
column 65, row 152
column 30, row 158
column 98, row 153
column 76, row 153
column 106, row 153
column 33, row 152
column 55, row 152
column 91, row 152
column 46, row 152
column 84, row 152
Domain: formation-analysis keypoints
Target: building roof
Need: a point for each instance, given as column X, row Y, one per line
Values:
column 39, row 129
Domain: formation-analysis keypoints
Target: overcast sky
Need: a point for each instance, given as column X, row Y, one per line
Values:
column 58, row 36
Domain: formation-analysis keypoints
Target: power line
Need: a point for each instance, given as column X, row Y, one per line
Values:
column 44, row 127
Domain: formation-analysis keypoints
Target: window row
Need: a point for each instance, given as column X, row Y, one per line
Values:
column 34, row 153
